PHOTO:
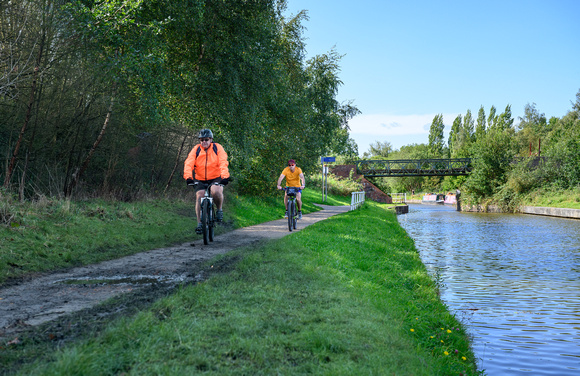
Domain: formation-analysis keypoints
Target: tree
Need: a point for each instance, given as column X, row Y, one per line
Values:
column 531, row 129
column 492, row 157
column 563, row 148
column 492, row 118
column 454, row 133
column 480, row 128
column 436, row 137
column 379, row 150
column 468, row 126
column 504, row 120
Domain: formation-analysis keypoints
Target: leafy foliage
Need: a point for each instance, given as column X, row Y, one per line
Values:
column 436, row 139
column 151, row 73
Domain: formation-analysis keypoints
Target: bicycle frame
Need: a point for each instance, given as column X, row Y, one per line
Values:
column 207, row 214
column 292, row 207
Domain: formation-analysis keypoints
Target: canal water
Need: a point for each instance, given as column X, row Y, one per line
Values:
column 513, row 280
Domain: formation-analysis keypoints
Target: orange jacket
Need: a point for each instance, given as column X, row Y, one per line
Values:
column 206, row 164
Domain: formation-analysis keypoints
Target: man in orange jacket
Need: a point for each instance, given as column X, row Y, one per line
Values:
column 207, row 163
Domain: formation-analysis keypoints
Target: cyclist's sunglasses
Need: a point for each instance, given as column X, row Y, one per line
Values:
column 204, row 139
column 291, row 165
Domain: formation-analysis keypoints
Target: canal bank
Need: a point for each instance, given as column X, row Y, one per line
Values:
column 525, row 209
column 533, row 210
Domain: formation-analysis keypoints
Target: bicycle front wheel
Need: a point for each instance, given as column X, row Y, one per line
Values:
column 211, row 223
column 291, row 213
column 205, row 221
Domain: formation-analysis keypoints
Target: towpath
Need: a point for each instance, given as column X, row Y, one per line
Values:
column 143, row 276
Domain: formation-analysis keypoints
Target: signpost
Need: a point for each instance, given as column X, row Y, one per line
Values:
column 324, row 160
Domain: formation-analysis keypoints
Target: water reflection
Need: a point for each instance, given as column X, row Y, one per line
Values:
column 513, row 279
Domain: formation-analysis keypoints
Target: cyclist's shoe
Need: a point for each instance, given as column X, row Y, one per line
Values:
column 300, row 215
column 219, row 215
column 199, row 229
column 286, row 214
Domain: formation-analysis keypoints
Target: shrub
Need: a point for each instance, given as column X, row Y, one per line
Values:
column 336, row 185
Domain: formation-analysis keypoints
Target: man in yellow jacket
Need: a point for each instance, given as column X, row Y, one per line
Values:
column 294, row 178
column 207, row 163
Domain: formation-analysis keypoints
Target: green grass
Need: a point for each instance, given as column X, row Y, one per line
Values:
column 56, row 234
column 554, row 198
column 63, row 234
column 345, row 296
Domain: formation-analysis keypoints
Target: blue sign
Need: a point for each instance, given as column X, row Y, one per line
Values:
column 327, row 159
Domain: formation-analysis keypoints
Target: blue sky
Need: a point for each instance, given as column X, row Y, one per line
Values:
column 406, row 61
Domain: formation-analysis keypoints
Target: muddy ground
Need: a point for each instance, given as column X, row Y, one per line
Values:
column 64, row 306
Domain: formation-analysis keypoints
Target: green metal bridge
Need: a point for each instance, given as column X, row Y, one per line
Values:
column 414, row 167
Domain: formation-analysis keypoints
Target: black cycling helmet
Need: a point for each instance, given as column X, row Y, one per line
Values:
column 205, row 133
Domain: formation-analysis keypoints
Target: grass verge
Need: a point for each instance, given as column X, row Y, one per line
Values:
column 59, row 234
column 348, row 295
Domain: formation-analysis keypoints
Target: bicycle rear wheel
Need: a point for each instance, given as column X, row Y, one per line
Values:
column 291, row 213
column 205, row 221
column 211, row 222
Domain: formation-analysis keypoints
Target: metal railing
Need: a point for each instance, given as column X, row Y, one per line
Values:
column 357, row 199
column 398, row 198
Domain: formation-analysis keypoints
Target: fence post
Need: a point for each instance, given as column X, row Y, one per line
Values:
column 357, row 199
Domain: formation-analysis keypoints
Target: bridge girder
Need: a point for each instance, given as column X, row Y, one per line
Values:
column 414, row 167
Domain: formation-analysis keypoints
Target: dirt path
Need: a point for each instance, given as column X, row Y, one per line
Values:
column 144, row 277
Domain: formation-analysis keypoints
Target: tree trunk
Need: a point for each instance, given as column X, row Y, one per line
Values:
column 176, row 162
column 79, row 172
column 12, row 164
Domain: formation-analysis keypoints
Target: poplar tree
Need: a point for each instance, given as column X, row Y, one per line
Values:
column 436, row 137
column 480, row 128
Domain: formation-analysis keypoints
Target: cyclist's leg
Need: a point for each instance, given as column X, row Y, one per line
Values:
column 299, row 205
column 198, row 195
column 299, row 200
column 217, row 192
column 286, row 202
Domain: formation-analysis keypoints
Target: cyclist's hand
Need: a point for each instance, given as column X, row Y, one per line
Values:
column 302, row 187
column 190, row 181
column 279, row 187
column 225, row 181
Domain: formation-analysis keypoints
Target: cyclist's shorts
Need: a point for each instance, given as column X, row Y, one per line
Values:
column 292, row 191
column 203, row 184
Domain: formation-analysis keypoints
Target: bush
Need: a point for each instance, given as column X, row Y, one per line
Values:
column 336, row 185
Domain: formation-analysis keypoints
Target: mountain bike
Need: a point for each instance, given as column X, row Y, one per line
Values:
column 207, row 214
column 292, row 208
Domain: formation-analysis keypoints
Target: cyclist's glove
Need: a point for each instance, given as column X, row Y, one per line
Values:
column 190, row 181
column 225, row 181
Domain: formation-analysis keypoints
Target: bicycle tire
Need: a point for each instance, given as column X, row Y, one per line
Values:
column 290, row 214
column 211, row 222
column 205, row 221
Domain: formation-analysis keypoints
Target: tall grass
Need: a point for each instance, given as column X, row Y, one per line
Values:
column 345, row 296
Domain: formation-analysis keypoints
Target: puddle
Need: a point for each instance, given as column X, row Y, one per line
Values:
column 122, row 280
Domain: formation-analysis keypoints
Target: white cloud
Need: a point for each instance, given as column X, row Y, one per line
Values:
column 394, row 125
column 399, row 130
